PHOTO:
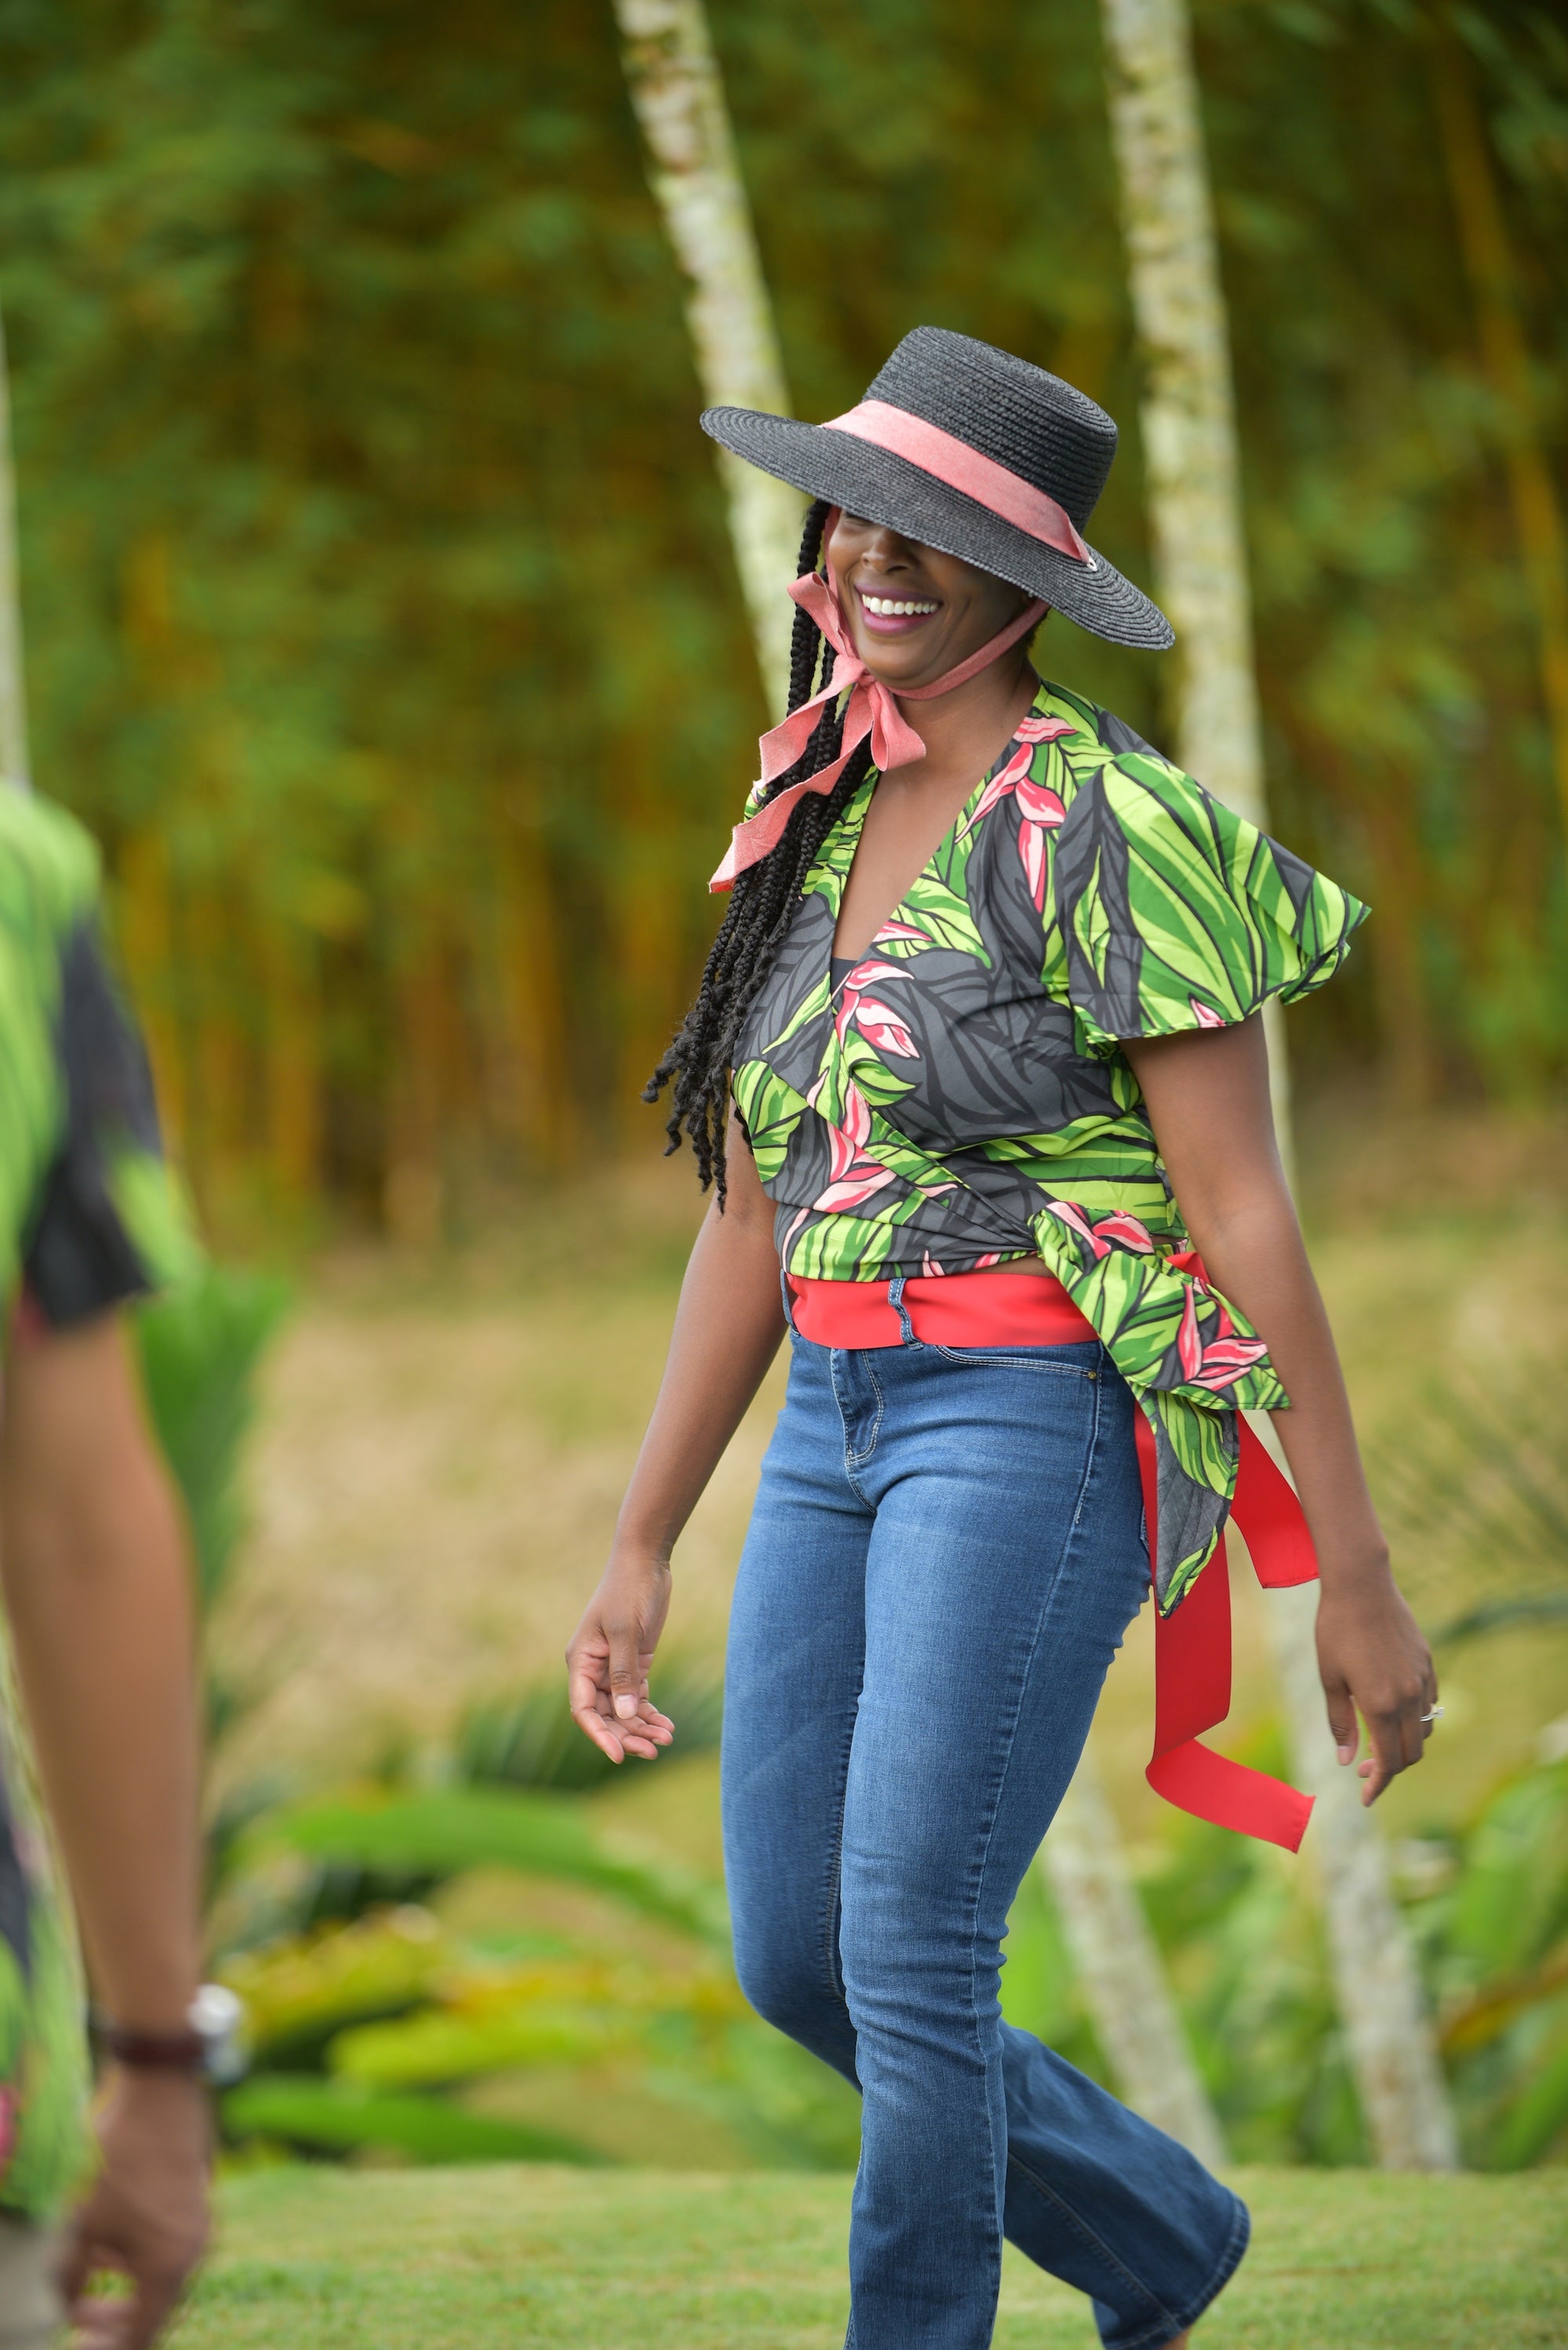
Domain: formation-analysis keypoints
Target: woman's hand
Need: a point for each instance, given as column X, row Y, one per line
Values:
column 1207, row 1093
column 1374, row 1661
column 608, row 1656
column 727, row 1331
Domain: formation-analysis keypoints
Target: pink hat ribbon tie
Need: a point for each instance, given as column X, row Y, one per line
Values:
column 872, row 710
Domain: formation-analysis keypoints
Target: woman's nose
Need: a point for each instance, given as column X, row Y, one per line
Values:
column 885, row 546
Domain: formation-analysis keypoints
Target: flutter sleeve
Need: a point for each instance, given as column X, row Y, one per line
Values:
column 1176, row 913
column 110, row 1224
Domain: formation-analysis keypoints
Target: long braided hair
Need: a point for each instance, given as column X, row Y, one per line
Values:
column 761, row 906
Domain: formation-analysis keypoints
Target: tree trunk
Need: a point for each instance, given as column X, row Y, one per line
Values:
column 1194, row 489
column 1119, row 1969
column 14, row 763
column 680, row 101
column 1489, row 265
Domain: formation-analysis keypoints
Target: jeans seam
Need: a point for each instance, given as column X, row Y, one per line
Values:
column 1097, row 2242
column 998, row 1359
column 1225, row 2268
column 833, row 1907
column 1219, row 2277
column 853, row 1460
column 1012, row 1735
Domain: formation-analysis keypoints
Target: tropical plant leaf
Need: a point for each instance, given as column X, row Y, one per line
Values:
column 443, row 1834
column 1539, row 2118
column 436, row 2047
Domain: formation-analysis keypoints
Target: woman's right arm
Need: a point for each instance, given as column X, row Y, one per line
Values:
column 727, row 1331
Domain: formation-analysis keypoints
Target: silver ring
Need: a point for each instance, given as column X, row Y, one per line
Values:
column 1434, row 1715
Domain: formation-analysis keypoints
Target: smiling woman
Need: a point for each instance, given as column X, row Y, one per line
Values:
column 920, row 613
column 977, row 1072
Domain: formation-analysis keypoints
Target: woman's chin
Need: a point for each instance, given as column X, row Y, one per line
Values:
column 914, row 659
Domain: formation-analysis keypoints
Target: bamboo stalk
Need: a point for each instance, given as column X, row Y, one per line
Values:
column 1194, row 489
column 292, row 1059
column 676, row 90
column 15, row 767
column 1119, row 1969
column 1505, row 354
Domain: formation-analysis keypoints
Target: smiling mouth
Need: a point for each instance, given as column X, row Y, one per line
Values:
column 888, row 616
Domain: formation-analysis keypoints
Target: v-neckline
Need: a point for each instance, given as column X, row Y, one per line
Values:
column 855, row 816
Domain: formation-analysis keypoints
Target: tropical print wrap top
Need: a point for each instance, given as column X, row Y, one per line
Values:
column 962, row 1097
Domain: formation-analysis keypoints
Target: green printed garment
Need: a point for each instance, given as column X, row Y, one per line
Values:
column 960, row 1096
column 88, row 1218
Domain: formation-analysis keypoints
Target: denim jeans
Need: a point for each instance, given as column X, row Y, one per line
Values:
column 945, row 1549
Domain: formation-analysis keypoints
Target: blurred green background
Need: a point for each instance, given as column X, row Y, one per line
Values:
column 381, row 614
column 382, row 624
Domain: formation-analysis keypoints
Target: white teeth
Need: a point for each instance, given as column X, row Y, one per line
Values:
column 886, row 608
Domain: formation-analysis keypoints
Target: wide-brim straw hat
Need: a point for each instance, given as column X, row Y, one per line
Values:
column 965, row 448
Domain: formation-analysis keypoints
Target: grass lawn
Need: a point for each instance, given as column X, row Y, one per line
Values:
column 505, row 2258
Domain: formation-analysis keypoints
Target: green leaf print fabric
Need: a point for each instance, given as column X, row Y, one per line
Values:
column 963, row 1096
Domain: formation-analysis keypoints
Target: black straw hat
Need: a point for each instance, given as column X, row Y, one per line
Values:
column 1032, row 452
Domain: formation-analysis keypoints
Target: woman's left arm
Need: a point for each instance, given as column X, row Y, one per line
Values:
column 1208, row 1097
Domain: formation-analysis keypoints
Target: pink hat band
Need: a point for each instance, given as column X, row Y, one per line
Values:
column 1004, row 494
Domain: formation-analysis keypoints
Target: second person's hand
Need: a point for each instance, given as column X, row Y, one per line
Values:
column 144, row 2219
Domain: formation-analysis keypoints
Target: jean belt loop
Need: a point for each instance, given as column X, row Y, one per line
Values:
column 896, row 1300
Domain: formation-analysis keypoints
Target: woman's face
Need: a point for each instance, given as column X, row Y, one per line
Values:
column 913, row 613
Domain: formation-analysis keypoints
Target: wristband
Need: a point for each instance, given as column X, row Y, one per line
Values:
column 208, row 2049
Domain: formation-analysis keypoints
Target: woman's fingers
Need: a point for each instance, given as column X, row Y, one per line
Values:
column 627, row 1676
column 1341, row 1717
column 607, row 1661
column 1374, row 1662
column 1399, row 1738
column 587, row 1696
column 596, row 1706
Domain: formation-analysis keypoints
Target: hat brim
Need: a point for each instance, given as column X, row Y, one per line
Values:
column 865, row 480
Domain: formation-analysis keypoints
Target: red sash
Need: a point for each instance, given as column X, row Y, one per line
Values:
column 1191, row 1646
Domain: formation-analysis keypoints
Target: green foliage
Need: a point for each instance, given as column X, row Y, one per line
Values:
column 413, row 2002
column 375, row 2001
column 1242, row 1938
column 338, row 2117
column 1496, row 1943
column 1475, row 1485
column 1040, row 1991
column 201, row 1346
column 380, row 614
column 436, row 1835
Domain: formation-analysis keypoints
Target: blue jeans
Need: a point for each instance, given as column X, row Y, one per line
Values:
column 945, row 1549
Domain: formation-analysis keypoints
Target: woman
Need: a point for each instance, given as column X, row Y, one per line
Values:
column 978, row 1054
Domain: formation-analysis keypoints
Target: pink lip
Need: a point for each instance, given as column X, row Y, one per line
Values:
column 892, row 624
